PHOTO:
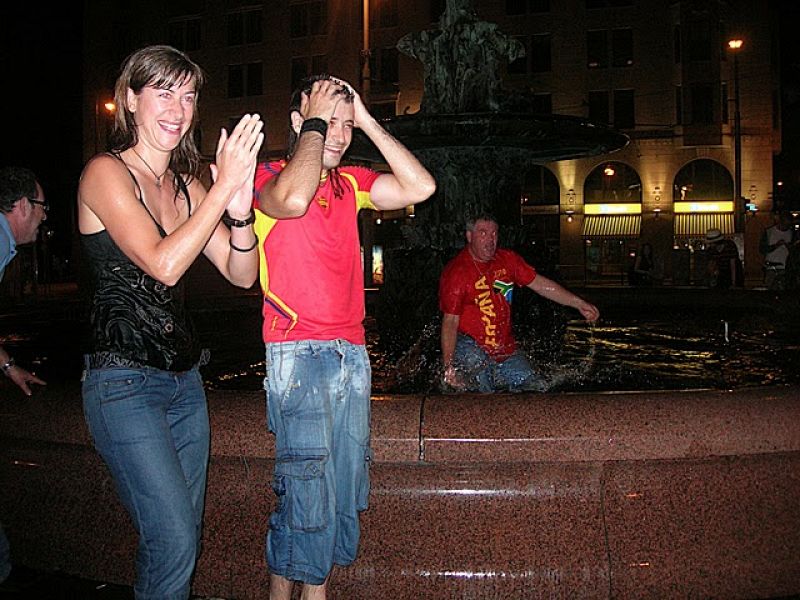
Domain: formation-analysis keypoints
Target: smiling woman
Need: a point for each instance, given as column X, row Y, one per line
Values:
column 144, row 217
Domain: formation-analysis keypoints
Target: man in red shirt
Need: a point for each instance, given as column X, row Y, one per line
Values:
column 318, row 372
column 479, row 352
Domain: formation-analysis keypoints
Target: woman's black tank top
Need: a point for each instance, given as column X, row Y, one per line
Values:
column 136, row 321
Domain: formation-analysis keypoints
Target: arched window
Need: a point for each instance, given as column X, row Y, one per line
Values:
column 612, row 182
column 702, row 180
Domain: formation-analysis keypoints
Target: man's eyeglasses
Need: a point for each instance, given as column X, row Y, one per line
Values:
column 45, row 206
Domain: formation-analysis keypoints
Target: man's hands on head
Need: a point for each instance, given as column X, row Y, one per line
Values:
column 321, row 101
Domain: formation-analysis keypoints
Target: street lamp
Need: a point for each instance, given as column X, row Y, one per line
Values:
column 735, row 46
column 365, row 54
column 109, row 107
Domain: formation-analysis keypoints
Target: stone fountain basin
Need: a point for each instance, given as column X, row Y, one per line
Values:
column 541, row 138
column 661, row 495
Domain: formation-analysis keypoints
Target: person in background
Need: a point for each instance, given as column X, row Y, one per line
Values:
column 643, row 271
column 144, row 217
column 318, row 373
column 479, row 352
column 775, row 244
column 23, row 208
column 724, row 266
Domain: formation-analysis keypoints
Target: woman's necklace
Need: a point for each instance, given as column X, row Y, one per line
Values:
column 149, row 168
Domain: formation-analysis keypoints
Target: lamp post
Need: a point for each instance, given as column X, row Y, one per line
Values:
column 109, row 107
column 735, row 45
column 365, row 54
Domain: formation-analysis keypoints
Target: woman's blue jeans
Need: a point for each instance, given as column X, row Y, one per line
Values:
column 318, row 403
column 151, row 428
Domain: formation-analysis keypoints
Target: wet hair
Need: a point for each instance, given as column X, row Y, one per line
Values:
column 15, row 183
column 160, row 67
column 294, row 106
column 294, row 103
column 472, row 221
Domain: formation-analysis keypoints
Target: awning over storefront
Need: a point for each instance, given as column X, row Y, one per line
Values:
column 697, row 224
column 612, row 226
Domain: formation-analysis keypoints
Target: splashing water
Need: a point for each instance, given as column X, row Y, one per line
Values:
column 641, row 349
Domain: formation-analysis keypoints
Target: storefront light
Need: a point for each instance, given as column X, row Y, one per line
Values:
column 704, row 207
column 623, row 208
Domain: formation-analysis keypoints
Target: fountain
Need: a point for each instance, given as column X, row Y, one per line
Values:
column 478, row 139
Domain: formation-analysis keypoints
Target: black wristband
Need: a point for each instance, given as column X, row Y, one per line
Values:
column 251, row 218
column 243, row 249
column 314, row 124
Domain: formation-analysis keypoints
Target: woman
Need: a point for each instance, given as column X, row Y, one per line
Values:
column 144, row 217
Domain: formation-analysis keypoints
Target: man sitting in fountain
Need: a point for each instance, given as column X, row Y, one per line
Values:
column 479, row 352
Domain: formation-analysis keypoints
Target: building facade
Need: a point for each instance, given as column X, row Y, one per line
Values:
column 702, row 117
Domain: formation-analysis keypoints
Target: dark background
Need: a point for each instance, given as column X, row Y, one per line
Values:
column 41, row 70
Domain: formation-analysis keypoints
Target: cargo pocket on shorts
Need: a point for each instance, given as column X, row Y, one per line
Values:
column 362, row 495
column 305, row 504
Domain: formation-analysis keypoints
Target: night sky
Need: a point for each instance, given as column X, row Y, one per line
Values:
column 40, row 63
column 41, row 67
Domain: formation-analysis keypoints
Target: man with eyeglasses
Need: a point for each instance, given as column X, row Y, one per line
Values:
column 22, row 210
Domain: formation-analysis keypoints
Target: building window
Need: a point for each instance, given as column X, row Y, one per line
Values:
column 521, row 7
column 724, row 94
column 382, row 13
column 613, row 182
column 540, row 53
column 516, row 7
column 624, row 109
column 597, row 49
column 384, row 68
column 538, row 6
column 390, row 66
column 702, row 104
column 245, row 80
column 383, row 110
column 599, row 107
column 304, row 66
column 184, row 34
column 519, row 66
column 678, row 105
column 540, row 188
column 319, row 64
column 622, row 47
column 537, row 58
column 702, row 180
column 300, row 70
column 308, row 18
column 700, row 40
column 244, row 27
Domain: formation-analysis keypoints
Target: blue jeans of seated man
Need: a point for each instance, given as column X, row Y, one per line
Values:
column 481, row 373
column 5, row 555
column 151, row 429
column 318, row 405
